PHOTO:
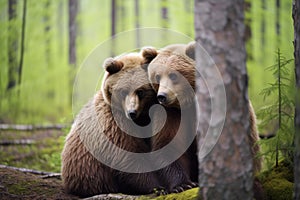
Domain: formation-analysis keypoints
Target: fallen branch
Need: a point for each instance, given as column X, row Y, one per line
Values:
column 17, row 142
column 112, row 197
column 23, row 127
column 32, row 171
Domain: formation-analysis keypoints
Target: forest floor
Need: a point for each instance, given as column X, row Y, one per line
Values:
column 19, row 185
column 40, row 150
column 37, row 150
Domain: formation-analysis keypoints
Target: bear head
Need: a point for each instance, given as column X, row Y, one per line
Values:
column 125, row 85
column 172, row 74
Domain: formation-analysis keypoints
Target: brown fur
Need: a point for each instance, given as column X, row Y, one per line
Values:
column 181, row 58
column 183, row 173
column 82, row 173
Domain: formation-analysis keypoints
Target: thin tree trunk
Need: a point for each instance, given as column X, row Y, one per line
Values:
column 137, row 22
column 113, row 18
column 164, row 14
column 227, row 171
column 296, row 17
column 47, row 30
column 73, row 10
column 277, row 23
column 248, row 31
column 22, row 41
column 12, row 45
column 263, row 24
column 113, row 30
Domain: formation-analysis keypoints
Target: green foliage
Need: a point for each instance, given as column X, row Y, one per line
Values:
column 278, row 116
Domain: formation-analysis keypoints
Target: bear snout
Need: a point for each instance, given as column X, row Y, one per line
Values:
column 162, row 97
column 132, row 114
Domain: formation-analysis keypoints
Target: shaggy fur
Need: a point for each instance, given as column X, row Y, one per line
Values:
column 181, row 58
column 82, row 173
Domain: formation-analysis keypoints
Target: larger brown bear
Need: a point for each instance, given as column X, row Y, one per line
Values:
column 95, row 130
column 168, row 72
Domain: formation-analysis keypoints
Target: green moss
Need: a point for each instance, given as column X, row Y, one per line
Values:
column 278, row 189
column 278, row 182
column 188, row 194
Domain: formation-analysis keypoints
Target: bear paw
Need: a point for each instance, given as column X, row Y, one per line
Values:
column 184, row 186
column 160, row 191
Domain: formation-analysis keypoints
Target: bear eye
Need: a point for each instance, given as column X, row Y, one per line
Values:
column 157, row 78
column 173, row 76
column 124, row 93
column 140, row 93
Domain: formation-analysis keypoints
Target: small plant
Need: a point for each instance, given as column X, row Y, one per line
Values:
column 279, row 116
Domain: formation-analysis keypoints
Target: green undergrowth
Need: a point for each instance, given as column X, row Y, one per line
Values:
column 278, row 182
column 43, row 154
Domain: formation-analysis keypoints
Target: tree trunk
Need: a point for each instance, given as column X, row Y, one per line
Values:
column 73, row 9
column 47, row 28
column 137, row 22
column 22, row 41
column 226, row 171
column 12, row 45
column 296, row 17
column 278, row 24
column 113, row 18
column 164, row 14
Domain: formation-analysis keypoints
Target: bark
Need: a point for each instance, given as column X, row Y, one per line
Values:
column 12, row 45
column 226, row 172
column 296, row 17
column 73, row 10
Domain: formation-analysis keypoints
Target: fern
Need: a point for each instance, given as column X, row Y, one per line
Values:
column 279, row 116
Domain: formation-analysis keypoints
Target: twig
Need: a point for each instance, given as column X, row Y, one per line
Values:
column 17, row 142
column 23, row 127
column 31, row 171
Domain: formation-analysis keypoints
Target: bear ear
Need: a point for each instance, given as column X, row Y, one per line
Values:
column 190, row 50
column 149, row 53
column 112, row 66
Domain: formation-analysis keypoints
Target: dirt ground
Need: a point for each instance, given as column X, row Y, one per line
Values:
column 19, row 185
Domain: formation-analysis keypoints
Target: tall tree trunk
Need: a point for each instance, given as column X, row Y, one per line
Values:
column 113, row 14
column 263, row 25
column 12, row 45
column 22, row 41
column 226, row 172
column 73, row 10
column 277, row 23
column 137, row 22
column 113, row 17
column 296, row 17
column 164, row 14
column 47, row 31
column 248, row 31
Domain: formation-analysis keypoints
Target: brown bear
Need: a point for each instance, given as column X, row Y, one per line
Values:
column 168, row 72
column 96, row 135
column 164, row 73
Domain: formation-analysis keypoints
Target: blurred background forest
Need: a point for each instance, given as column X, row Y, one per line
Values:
column 43, row 43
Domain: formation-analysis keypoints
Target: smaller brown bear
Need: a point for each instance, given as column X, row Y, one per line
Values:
column 168, row 72
column 96, row 134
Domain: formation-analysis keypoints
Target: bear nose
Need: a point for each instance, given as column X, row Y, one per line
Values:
column 132, row 114
column 162, row 97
